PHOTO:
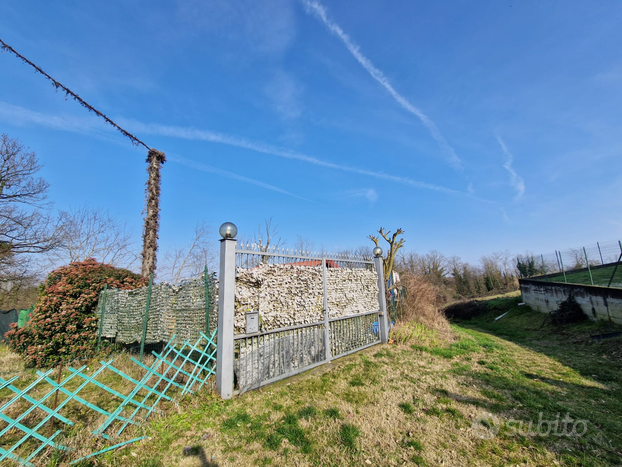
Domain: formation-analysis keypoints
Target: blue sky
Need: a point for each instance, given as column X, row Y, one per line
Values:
column 474, row 126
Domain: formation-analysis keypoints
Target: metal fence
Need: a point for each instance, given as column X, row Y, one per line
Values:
column 322, row 323
column 595, row 264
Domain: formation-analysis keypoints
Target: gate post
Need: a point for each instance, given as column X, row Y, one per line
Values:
column 226, row 311
column 383, row 322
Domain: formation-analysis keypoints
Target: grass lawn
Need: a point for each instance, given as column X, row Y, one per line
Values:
column 601, row 276
column 424, row 403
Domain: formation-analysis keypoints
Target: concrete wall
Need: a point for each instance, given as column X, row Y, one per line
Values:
column 599, row 303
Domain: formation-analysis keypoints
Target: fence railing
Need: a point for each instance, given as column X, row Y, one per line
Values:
column 263, row 353
column 590, row 265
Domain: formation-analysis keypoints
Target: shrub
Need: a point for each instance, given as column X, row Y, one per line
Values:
column 465, row 310
column 64, row 325
column 569, row 311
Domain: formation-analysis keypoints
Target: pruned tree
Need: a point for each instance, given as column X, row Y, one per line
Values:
column 26, row 226
column 189, row 260
column 89, row 232
column 394, row 245
column 151, row 228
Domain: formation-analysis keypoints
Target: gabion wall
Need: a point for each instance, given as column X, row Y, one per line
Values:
column 178, row 311
column 287, row 295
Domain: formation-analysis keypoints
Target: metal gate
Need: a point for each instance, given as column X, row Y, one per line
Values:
column 312, row 293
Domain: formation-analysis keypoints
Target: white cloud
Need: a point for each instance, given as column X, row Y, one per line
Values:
column 505, row 216
column 516, row 181
column 284, row 92
column 20, row 116
column 611, row 76
column 266, row 27
column 369, row 194
column 319, row 11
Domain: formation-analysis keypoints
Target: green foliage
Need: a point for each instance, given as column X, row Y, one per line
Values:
column 528, row 266
column 569, row 311
column 64, row 324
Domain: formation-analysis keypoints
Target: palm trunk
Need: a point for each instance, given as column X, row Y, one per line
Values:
column 152, row 212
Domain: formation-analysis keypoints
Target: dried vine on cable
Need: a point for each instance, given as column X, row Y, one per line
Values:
column 69, row 92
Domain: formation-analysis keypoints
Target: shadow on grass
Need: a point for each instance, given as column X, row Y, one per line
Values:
column 199, row 453
column 586, row 387
column 571, row 345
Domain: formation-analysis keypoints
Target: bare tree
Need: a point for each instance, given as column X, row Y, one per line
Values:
column 189, row 260
column 89, row 232
column 26, row 227
column 394, row 246
column 303, row 244
column 266, row 238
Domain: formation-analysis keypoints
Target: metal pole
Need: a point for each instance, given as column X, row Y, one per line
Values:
column 600, row 253
column 226, row 315
column 206, row 301
column 142, row 342
column 383, row 322
column 561, row 261
column 101, row 318
column 325, row 305
column 616, row 268
column 543, row 265
column 588, row 266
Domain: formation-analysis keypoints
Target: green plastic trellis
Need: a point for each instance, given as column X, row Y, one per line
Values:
column 181, row 370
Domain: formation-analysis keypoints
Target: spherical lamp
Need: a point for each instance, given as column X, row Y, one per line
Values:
column 377, row 251
column 228, row 230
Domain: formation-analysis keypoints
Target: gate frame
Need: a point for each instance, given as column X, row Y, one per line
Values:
column 226, row 308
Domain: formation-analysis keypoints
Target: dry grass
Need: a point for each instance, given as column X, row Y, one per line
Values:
column 415, row 404
column 420, row 307
column 405, row 405
column 77, row 437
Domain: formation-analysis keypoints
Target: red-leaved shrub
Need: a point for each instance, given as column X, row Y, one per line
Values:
column 64, row 325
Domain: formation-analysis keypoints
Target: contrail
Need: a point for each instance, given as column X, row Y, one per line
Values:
column 319, row 11
column 516, row 180
column 14, row 113
column 214, row 137
column 225, row 173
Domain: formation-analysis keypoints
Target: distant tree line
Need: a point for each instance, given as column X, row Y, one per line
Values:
column 457, row 279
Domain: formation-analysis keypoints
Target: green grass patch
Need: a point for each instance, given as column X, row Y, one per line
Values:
column 307, row 412
column 407, row 408
column 333, row 413
column 348, row 435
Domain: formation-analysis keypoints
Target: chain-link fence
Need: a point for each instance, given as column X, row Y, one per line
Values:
column 597, row 264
